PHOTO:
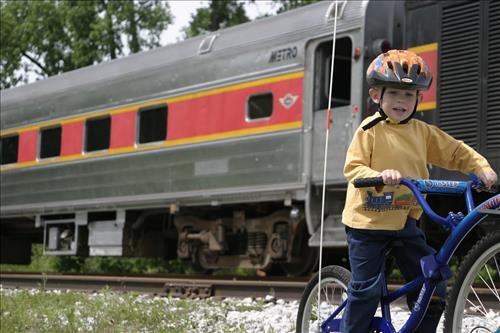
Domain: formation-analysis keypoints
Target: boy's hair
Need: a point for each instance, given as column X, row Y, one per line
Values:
column 399, row 69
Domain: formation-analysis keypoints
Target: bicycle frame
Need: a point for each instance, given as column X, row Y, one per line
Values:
column 434, row 267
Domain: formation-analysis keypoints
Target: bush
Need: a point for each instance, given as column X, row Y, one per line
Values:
column 117, row 265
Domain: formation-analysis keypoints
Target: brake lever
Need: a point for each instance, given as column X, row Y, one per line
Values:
column 478, row 185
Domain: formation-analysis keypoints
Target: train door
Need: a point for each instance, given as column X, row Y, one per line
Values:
column 344, row 107
column 345, row 117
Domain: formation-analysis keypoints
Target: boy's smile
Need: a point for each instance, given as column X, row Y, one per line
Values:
column 398, row 104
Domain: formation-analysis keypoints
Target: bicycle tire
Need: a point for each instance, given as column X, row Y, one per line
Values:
column 337, row 275
column 460, row 315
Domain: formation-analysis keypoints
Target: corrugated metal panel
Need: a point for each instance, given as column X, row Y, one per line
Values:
column 493, row 109
column 460, row 71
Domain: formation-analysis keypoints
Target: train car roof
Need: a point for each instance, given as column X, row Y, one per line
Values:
column 312, row 18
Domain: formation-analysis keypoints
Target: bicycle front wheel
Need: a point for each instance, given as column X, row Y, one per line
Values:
column 474, row 302
column 334, row 281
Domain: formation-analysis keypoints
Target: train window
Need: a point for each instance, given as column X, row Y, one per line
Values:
column 152, row 124
column 9, row 146
column 341, row 94
column 50, row 142
column 97, row 133
column 260, row 106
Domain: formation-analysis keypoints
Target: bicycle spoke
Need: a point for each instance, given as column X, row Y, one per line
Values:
column 492, row 288
column 474, row 291
column 312, row 312
column 476, row 307
column 331, row 300
column 325, row 292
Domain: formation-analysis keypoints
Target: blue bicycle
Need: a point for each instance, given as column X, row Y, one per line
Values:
column 473, row 303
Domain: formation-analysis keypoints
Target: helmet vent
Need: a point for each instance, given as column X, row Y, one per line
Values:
column 405, row 67
column 399, row 69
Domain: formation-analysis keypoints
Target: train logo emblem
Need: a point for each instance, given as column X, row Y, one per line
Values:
column 288, row 100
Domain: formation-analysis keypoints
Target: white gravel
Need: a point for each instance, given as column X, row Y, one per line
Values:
column 268, row 315
column 280, row 316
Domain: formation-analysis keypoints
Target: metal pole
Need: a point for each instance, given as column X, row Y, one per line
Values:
column 325, row 165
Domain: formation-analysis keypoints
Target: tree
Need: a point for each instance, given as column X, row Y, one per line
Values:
column 218, row 15
column 44, row 38
column 285, row 5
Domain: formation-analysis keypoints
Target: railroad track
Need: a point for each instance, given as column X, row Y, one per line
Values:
column 175, row 286
column 182, row 286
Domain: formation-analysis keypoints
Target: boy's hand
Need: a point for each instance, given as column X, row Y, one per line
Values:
column 488, row 178
column 391, row 177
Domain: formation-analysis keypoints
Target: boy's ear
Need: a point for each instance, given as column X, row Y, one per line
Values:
column 374, row 95
column 419, row 98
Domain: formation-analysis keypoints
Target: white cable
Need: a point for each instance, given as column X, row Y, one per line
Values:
column 325, row 165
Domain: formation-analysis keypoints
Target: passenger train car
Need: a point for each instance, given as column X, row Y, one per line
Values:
column 211, row 150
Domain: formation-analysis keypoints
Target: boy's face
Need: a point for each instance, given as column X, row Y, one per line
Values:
column 398, row 104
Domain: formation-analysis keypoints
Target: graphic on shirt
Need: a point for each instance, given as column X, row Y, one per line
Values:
column 405, row 201
column 379, row 202
column 387, row 201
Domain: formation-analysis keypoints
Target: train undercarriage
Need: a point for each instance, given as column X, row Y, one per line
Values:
column 265, row 236
column 246, row 242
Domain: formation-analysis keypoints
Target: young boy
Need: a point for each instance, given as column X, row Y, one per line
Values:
column 392, row 145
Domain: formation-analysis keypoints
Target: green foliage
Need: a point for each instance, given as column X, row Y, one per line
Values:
column 236, row 271
column 70, row 264
column 39, row 263
column 218, row 15
column 48, row 37
column 285, row 5
column 132, row 265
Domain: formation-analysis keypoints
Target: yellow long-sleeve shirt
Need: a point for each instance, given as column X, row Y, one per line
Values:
column 407, row 148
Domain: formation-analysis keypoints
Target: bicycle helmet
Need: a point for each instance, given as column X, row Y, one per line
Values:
column 399, row 69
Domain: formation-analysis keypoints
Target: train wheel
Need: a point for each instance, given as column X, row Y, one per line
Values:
column 303, row 265
column 304, row 257
column 197, row 260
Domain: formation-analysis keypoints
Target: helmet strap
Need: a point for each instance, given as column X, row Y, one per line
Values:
column 382, row 116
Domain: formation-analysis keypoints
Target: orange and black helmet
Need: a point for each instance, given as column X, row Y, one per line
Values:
column 400, row 69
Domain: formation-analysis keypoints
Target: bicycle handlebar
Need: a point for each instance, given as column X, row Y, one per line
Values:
column 420, row 186
column 425, row 186
column 368, row 182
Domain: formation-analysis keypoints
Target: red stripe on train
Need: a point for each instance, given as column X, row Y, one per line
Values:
column 217, row 113
column 226, row 111
column 72, row 138
column 123, row 129
column 27, row 146
column 430, row 58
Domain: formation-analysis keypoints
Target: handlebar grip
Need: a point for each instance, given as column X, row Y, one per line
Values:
column 368, row 182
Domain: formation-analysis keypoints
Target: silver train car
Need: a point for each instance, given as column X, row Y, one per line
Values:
column 211, row 150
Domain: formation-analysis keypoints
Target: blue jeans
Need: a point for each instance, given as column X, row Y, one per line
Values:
column 367, row 255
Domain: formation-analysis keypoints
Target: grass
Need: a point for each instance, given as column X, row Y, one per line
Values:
column 37, row 310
